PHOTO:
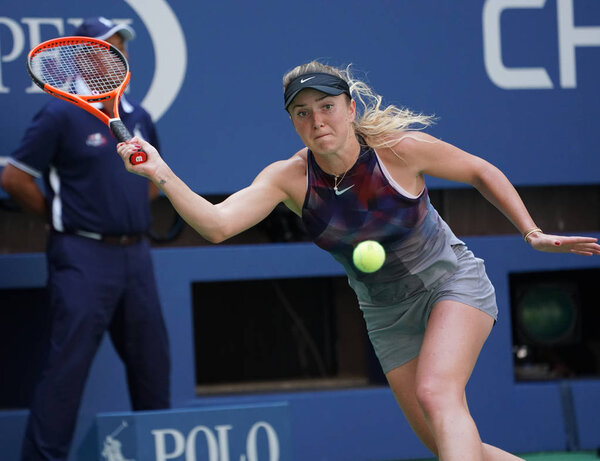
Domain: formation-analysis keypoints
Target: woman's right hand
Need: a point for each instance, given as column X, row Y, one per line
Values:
column 150, row 167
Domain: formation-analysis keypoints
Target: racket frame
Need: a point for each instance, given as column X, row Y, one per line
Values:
column 85, row 101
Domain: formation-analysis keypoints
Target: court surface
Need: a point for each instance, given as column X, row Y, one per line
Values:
column 563, row 456
column 566, row 456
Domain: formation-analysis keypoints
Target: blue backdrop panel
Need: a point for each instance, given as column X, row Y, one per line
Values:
column 514, row 82
column 334, row 425
column 12, row 428
column 587, row 412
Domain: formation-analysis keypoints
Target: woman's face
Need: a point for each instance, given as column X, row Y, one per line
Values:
column 323, row 122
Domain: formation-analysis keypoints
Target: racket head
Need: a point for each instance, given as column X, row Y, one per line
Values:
column 79, row 70
column 83, row 71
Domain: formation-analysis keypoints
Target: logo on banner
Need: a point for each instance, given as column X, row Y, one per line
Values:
column 216, row 443
column 111, row 450
column 168, row 43
column 229, row 433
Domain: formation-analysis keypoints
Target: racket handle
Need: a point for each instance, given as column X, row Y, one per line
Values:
column 122, row 134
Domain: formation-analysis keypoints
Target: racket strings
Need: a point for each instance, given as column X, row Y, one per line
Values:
column 83, row 69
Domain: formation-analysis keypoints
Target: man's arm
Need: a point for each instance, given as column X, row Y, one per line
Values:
column 23, row 189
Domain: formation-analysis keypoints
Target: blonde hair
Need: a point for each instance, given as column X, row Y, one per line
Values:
column 378, row 125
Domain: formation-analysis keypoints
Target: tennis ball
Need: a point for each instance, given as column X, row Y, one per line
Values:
column 368, row 256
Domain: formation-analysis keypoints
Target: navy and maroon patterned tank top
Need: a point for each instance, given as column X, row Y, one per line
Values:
column 369, row 205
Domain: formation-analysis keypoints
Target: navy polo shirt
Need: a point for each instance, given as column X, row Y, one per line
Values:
column 87, row 186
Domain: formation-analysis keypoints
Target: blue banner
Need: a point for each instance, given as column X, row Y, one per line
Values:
column 240, row 433
column 513, row 81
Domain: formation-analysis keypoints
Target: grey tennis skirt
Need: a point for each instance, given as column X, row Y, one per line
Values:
column 396, row 330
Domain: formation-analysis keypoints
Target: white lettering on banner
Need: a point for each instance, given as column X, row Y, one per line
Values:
column 34, row 29
column 17, row 48
column 217, row 446
column 569, row 37
column 165, row 32
column 211, row 442
column 160, row 450
column 170, row 49
column 223, row 441
column 251, row 451
column 504, row 77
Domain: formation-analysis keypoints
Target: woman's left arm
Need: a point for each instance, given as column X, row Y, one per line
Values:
column 434, row 157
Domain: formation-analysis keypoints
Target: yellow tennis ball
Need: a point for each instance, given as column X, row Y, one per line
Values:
column 368, row 256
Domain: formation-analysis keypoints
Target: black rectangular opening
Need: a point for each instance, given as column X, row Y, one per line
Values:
column 555, row 318
column 24, row 335
column 300, row 333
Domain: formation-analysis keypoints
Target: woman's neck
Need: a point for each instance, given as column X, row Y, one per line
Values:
column 338, row 163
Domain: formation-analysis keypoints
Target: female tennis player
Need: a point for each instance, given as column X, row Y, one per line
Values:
column 430, row 308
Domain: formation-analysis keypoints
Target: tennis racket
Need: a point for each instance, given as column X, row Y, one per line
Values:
column 84, row 71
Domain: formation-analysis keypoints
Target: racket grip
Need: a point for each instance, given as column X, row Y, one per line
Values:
column 122, row 134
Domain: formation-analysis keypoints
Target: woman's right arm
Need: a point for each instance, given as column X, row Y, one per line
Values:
column 215, row 222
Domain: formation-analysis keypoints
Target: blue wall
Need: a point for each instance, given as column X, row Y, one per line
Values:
column 493, row 73
column 349, row 424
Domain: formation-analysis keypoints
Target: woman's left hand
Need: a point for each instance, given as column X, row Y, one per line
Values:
column 586, row 246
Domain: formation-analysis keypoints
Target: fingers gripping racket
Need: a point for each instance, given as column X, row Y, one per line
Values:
column 84, row 71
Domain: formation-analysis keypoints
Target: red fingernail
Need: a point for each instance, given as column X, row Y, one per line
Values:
column 557, row 243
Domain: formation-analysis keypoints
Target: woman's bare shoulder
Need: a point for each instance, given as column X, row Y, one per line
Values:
column 294, row 165
column 411, row 139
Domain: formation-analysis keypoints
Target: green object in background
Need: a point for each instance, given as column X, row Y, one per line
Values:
column 547, row 314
